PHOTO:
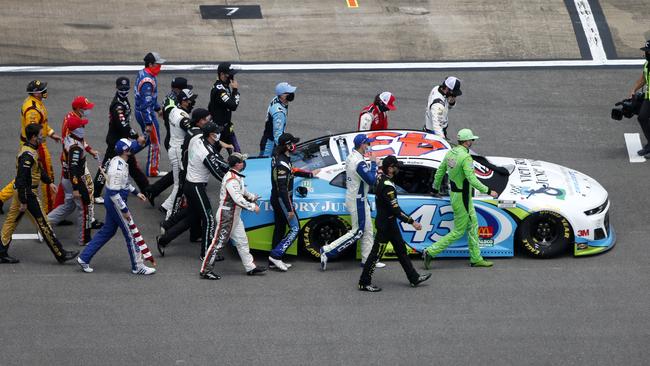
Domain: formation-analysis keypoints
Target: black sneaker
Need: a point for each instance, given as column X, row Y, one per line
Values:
column 421, row 279
column 163, row 210
column 644, row 151
column 196, row 240
column 161, row 248
column 6, row 258
column 65, row 223
column 369, row 288
column 150, row 197
column 67, row 255
column 96, row 225
column 209, row 275
column 256, row 270
column 2, row 210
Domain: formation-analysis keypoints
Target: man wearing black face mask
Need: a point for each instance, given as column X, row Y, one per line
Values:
column 374, row 116
column 224, row 99
column 171, row 101
column 282, row 174
column 119, row 127
column 644, row 114
column 441, row 99
column 276, row 118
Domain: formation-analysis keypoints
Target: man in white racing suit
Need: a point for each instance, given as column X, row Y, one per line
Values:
column 359, row 179
column 233, row 197
column 179, row 123
column 441, row 99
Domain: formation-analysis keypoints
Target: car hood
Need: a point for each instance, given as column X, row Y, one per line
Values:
column 542, row 185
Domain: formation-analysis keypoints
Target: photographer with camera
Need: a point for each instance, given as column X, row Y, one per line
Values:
column 644, row 113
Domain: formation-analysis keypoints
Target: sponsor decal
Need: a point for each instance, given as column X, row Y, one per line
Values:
column 482, row 171
column 582, row 246
column 583, row 232
column 485, row 232
column 404, row 144
column 531, row 171
column 526, row 192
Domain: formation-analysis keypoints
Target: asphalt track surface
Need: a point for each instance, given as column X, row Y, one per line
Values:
column 568, row 311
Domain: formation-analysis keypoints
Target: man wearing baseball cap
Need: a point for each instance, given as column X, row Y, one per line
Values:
column 119, row 127
column 171, row 101
column 388, row 212
column 34, row 111
column 74, row 177
column 441, row 99
column 374, row 116
column 224, row 99
column 146, row 108
column 282, row 173
column 233, row 198
column 81, row 109
column 459, row 165
column 644, row 113
column 360, row 177
column 276, row 117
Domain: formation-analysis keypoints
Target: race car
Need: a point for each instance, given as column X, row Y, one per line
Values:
column 543, row 209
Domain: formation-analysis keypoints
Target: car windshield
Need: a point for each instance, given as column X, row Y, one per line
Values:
column 313, row 154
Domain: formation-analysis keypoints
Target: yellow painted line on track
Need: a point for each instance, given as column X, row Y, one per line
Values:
column 352, row 3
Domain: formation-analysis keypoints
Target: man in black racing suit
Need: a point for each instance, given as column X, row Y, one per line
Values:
column 388, row 211
column 119, row 126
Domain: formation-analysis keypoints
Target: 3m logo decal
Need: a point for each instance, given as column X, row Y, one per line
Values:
column 584, row 232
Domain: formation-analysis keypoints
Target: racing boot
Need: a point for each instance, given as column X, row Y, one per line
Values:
column 5, row 257
column 256, row 271
column 323, row 260
column 209, row 275
column 427, row 259
column 96, row 224
column 160, row 246
column 420, row 279
column 84, row 266
column 65, row 223
column 150, row 197
column 481, row 263
column 143, row 270
column 369, row 288
column 67, row 255
column 278, row 264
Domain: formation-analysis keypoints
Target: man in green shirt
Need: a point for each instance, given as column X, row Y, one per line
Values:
column 458, row 163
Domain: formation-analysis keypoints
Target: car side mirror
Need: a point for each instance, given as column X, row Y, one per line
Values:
column 302, row 191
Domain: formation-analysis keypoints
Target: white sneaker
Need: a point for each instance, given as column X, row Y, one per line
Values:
column 99, row 200
column 162, row 173
column 278, row 264
column 380, row 265
column 84, row 266
column 144, row 270
column 39, row 236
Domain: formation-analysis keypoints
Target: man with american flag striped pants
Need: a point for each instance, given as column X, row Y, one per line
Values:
column 118, row 214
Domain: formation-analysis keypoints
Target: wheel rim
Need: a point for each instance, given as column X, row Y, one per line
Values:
column 546, row 232
column 325, row 233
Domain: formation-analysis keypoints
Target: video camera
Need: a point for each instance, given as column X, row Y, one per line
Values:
column 628, row 107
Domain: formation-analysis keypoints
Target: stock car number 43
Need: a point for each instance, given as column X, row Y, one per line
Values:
column 543, row 209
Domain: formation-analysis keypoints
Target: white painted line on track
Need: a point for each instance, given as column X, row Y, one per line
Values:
column 633, row 143
column 24, row 236
column 591, row 31
column 332, row 66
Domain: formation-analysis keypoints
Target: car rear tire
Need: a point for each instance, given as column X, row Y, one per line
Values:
column 545, row 234
column 319, row 232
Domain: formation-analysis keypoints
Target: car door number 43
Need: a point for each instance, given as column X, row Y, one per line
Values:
column 436, row 221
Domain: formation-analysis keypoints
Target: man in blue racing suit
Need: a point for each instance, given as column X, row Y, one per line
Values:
column 359, row 178
column 118, row 214
column 276, row 118
column 146, row 107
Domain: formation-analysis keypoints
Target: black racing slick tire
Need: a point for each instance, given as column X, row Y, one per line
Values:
column 319, row 232
column 545, row 234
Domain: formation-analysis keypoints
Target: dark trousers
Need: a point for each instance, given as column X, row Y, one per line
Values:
column 161, row 184
column 200, row 210
column 134, row 171
column 644, row 120
column 387, row 231
column 177, row 224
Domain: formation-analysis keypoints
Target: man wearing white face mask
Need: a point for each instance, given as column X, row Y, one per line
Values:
column 74, row 183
